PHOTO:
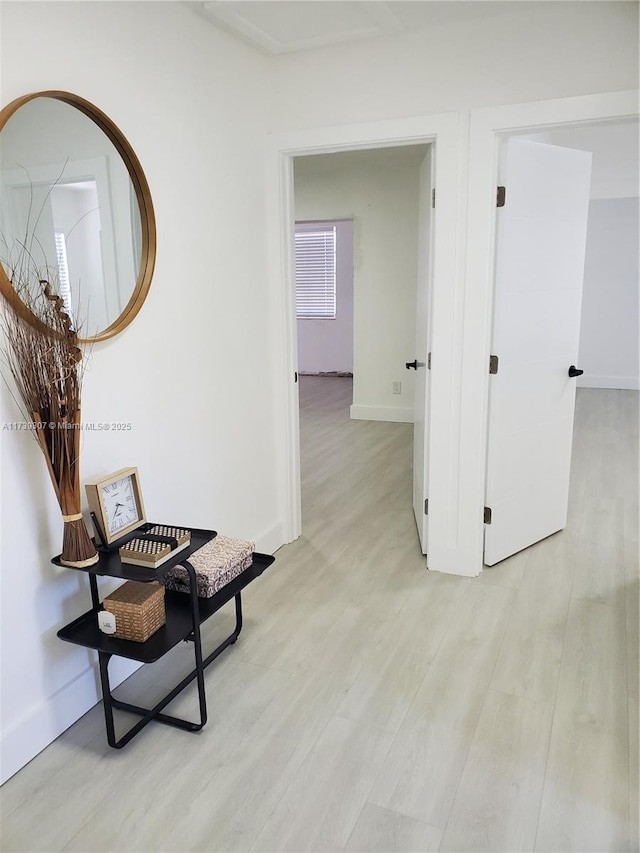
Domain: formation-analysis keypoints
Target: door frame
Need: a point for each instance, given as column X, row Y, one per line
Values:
column 447, row 133
column 487, row 127
column 466, row 178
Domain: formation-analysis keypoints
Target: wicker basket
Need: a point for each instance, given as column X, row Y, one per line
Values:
column 138, row 609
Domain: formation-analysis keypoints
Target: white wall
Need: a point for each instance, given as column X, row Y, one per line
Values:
column 610, row 313
column 193, row 373
column 326, row 346
column 609, row 327
column 609, row 352
column 552, row 50
column 379, row 191
column 616, row 167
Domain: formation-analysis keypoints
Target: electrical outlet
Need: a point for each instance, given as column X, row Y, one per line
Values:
column 396, row 387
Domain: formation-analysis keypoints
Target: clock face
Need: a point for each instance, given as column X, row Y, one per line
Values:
column 120, row 504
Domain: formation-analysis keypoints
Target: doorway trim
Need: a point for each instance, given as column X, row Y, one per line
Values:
column 448, row 133
column 487, row 126
column 466, row 177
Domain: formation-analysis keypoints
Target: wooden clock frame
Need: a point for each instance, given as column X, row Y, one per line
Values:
column 96, row 504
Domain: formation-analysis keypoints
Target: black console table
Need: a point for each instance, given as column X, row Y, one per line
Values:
column 184, row 615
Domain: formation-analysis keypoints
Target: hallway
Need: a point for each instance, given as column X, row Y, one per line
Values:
column 370, row 705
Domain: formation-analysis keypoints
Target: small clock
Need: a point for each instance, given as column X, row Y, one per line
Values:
column 116, row 501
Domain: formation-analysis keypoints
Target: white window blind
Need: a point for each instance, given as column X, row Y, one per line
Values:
column 63, row 271
column 315, row 249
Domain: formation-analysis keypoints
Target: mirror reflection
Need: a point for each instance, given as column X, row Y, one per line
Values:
column 68, row 207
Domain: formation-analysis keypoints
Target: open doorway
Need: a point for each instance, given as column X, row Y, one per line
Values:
column 356, row 357
column 465, row 179
column 543, row 317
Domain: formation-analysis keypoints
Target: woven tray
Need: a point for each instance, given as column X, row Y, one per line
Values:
column 138, row 609
column 216, row 563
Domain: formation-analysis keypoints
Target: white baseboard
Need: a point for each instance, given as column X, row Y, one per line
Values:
column 621, row 383
column 43, row 724
column 395, row 414
column 271, row 540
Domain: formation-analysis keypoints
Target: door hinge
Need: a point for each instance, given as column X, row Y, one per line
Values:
column 433, row 197
column 295, row 376
column 501, row 197
column 487, row 515
column 428, row 361
column 426, row 507
column 493, row 364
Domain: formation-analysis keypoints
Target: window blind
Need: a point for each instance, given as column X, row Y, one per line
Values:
column 315, row 251
column 63, row 271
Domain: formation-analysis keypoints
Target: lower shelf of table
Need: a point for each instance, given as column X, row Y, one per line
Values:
column 84, row 631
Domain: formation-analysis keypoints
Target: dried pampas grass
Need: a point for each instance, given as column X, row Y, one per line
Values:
column 42, row 355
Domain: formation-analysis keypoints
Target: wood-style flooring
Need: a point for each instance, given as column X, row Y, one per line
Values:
column 371, row 705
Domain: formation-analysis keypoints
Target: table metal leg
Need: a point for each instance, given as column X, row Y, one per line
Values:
column 197, row 642
column 148, row 714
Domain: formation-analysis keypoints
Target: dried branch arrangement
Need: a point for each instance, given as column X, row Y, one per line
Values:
column 45, row 362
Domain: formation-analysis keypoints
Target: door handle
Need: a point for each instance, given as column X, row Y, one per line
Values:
column 414, row 365
column 573, row 371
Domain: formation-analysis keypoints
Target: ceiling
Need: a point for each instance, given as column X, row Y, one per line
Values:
column 380, row 158
column 287, row 26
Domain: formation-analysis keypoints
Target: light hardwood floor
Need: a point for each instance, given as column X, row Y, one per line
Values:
column 370, row 705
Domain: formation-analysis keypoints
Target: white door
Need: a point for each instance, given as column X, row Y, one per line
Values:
column 423, row 343
column 541, row 239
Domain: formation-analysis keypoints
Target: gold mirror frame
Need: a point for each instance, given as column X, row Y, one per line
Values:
column 143, row 196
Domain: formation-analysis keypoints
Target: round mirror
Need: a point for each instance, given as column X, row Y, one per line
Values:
column 74, row 204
